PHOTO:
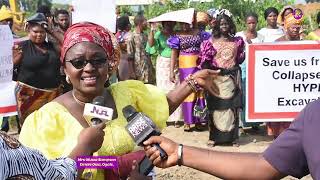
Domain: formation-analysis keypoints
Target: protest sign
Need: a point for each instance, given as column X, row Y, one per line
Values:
column 281, row 80
column 185, row 16
column 7, row 97
column 100, row 12
column 6, row 64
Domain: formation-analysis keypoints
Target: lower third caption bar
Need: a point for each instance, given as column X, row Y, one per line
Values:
column 97, row 162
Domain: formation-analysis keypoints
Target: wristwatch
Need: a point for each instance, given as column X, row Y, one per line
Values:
column 180, row 154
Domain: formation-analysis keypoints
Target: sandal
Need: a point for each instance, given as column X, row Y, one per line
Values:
column 187, row 128
column 176, row 124
column 199, row 127
column 235, row 144
column 210, row 143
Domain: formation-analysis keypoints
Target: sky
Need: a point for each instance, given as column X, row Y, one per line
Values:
column 62, row 1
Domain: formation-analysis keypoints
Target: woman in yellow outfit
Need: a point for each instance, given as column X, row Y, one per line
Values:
column 89, row 56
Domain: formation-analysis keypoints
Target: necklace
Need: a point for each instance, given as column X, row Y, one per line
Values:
column 77, row 100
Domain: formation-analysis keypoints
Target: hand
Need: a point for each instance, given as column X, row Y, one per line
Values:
column 70, row 8
column 172, row 77
column 205, row 79
column 17, row 49
column 49, row 29
column 248, row 41
column 153, row 26
column 92, row 137
column 17, row 52
column 170, row 147
column 135, row 175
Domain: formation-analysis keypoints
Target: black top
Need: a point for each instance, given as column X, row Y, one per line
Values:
column 38, row 69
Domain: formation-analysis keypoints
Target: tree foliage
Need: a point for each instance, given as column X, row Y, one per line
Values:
column 239, row 8
column 32, row 5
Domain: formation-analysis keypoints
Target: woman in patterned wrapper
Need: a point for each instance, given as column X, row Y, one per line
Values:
column 292, row 27
column 185, row 47
column 226, row 52
column 89, row 55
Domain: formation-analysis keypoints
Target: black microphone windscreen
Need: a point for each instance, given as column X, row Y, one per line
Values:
column 128, row 111
column 99, row 100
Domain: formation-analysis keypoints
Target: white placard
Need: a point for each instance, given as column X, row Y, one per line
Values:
column 185, row 16
column 8, row 104
column 282, row 80
column 7, row 98
column 6, row 64
column 101, row 12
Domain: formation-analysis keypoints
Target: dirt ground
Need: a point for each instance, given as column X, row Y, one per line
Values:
column 251, row 142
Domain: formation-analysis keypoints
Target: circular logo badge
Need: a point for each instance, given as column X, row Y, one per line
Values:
column 297, row 13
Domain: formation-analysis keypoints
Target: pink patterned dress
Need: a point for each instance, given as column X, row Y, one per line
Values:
column 224, row 107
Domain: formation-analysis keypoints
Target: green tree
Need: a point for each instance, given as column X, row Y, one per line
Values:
column 239, row 8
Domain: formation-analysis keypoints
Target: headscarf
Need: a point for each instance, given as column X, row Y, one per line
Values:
column 5, row 13
column 290, row 20
column 214, row 13
column 90, row 32
column 202, row 17
column 279, row 19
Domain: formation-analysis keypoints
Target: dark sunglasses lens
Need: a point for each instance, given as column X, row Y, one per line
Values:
column 98, row 62
column 78, row 63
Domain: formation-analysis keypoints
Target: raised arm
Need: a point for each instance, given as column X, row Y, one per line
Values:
column 204, row 79
column 17, row 54
column 224, row 165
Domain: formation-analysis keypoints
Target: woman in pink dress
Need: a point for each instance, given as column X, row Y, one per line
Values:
column 224, row 51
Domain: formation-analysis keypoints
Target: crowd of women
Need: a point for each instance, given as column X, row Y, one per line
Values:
column 183, row 49
column 200, row 78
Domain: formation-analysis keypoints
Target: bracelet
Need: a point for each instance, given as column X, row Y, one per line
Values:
column 180, row 154
column 192, row 83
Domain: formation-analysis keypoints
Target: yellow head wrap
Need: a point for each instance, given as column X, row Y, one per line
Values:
column 202, row 17
column 280, row 21
column 290, row 20
column 5, row 13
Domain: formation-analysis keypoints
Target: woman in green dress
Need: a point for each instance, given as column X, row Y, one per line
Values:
column 157, row 45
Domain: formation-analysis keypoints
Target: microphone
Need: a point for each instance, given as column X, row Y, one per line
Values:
column 96, row 112
column 141, row 127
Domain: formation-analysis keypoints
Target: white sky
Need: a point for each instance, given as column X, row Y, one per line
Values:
column 62, row 1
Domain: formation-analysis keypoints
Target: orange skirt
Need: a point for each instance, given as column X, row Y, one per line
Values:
column 30, row 99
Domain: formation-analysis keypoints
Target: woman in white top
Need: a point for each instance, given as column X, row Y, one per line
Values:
column 272, row 31
column 250, row 35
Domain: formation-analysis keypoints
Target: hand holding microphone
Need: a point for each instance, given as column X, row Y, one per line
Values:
column 141, row 127
column 170, row 147
column 92, row 137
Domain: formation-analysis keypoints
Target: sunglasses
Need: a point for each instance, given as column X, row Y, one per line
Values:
column 81, row 63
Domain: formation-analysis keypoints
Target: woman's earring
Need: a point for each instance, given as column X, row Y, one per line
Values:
column 68, row 79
